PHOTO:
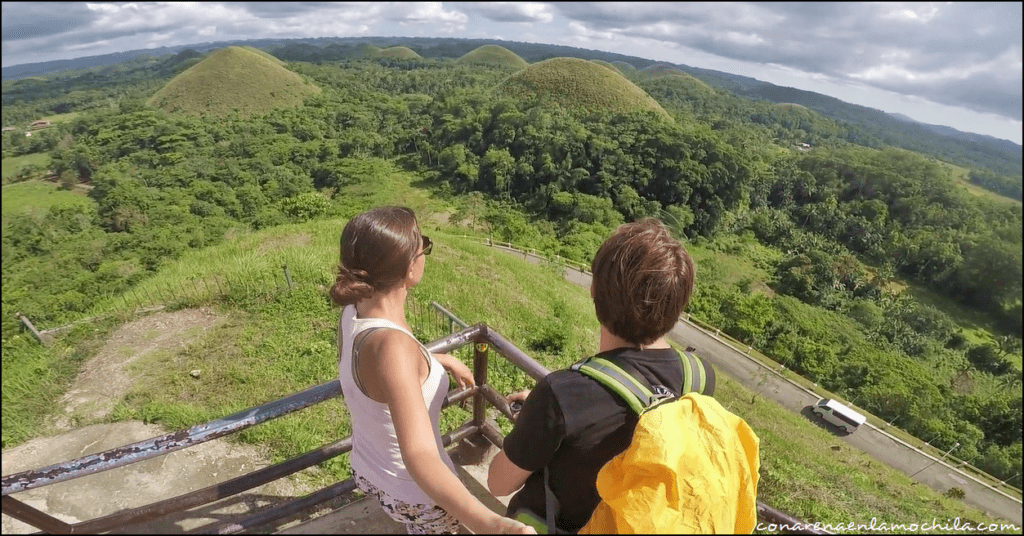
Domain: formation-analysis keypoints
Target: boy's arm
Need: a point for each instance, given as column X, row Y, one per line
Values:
column 537, row 435
column 505, row 477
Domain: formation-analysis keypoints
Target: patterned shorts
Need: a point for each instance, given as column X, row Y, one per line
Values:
column 418, row 518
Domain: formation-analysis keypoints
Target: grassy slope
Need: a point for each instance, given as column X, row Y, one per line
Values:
column 232, row 78
column 578, row 84
column 960, row 176
column 276, row 343
column 265, row 54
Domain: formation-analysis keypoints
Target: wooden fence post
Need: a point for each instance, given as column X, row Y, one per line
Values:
column 45, row 340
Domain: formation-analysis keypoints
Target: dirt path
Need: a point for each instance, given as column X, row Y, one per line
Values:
column 95, row 392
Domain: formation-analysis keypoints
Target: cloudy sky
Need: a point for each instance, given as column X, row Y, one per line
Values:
column 954, row 64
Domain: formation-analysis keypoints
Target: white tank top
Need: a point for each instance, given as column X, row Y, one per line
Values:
column 375, row 454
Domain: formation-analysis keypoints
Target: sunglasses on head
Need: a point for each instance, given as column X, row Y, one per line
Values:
column 428, row 245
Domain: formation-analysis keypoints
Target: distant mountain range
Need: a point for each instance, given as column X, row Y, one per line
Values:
column 964, row 148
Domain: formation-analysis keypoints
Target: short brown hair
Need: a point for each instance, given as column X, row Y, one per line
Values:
column 642, row 281
column 377, row 248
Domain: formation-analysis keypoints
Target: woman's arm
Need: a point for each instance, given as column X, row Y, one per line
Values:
column 394, row 368
column 459, row 371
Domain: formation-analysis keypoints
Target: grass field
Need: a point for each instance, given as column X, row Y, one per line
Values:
column 13, row 164
column 38, row 196
column 61, row 118
column 959, row 175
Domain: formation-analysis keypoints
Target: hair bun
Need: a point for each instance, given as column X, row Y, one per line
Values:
column 351, row 286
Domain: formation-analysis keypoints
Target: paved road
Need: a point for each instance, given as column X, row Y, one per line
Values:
column 890, row 450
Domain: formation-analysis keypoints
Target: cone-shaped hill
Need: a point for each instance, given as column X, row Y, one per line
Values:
column 623, row 67
column 366, row 51
column 232, row 78
column 183, row 56
column 603, row 63
column 578, row 85
column 674, row 76
column 800, row 111
column 660, row 69
column 495, row 55
column 182, row 60
column 265, row 54
column 398, row 53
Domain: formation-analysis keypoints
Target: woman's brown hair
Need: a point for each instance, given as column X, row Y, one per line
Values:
column 377, row 248
column 642, row 281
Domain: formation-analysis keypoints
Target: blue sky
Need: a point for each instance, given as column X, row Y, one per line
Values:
column 954, row 64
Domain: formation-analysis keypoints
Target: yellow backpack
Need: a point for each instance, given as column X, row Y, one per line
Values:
column 691, row 467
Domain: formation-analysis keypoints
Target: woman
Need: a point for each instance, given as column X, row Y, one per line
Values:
column 394, row 386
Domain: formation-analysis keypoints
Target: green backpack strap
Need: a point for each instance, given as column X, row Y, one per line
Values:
column 610, row 375
column 696, row 378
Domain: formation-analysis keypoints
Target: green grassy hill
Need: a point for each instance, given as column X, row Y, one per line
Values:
column 608, row 65
column 623, row 67
column 493, row 54
column 233, row 78
column 664, row 69
column 578, row 85
column 659, row 69
column 398, row 53
column 366, row 51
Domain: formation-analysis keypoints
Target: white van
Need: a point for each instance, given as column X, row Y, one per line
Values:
column 838, row 414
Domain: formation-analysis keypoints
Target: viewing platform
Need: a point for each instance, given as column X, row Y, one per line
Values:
column 217, row 503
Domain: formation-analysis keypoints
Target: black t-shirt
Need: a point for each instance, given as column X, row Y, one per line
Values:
column 574, row 426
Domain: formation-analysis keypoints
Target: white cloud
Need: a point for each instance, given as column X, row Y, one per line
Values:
column 514, row 12
column 920, row 13
column 748, row 39
column 430, row 14
column 87, row 46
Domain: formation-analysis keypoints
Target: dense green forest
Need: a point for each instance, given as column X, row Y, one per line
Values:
column 847, row 219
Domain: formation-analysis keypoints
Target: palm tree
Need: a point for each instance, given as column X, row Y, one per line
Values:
column 1006, row 382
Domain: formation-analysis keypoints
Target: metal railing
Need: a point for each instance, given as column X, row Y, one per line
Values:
column 480, row 336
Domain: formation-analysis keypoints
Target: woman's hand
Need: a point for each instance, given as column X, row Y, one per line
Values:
column 459, row 371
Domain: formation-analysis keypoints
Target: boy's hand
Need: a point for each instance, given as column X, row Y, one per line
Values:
column 515, row 402
column 519, row 396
